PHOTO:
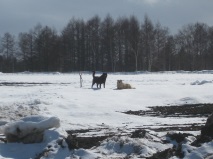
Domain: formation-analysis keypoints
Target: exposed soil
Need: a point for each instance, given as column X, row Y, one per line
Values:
column 29, row 83
column 177, row 127
column 75, row 142
column 168, row 153
column 80, row 138
column 194, row 110
column 183, row 111
column 187, row 110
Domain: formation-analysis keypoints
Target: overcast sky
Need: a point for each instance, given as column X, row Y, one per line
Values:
column 22, row 15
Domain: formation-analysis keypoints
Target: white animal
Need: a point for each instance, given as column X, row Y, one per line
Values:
column 121, row 85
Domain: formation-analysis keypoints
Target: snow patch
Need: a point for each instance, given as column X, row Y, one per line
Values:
column 200, row 82
column 28, row 125
column 128, row 146
column 198, row 152
column 84, row 154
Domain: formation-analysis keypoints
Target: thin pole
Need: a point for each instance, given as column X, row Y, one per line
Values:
column 81, row 79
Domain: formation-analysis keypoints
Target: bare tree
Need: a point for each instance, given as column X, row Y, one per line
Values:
column 192, row 45
column 108, row 43
column 200, row 44
column 161, row 35
column 148, row 40
column 93, row 40
column 121, row 43
column 26, row 44
column 210, row 49
column 134, row 39
column 8, row 49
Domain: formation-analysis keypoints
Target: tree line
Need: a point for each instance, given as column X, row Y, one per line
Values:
column 120, row 45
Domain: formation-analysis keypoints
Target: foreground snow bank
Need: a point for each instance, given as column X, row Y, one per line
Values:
column 52, row 146
column 34, row 128
column 29, row 129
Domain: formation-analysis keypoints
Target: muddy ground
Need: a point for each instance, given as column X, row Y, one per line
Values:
column 184, row 111
column 80, row 138
column 187, row 110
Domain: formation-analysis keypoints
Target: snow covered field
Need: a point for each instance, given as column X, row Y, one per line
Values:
column 60, row 95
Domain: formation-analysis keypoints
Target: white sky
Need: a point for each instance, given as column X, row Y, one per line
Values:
column 22, row 15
